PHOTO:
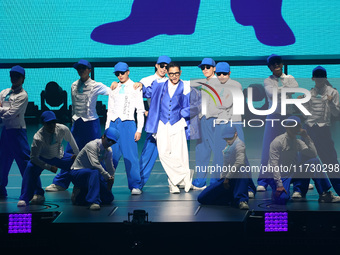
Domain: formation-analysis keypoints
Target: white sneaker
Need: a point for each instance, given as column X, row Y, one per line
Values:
column 37, row 200
column 95, row 207
column 193, row 187
column 54, row 188
column 328, row 197
column 243, row 205
column 173, row 189
column 21, row 203
column 251, row 194
column 135, row 191
column 310, row 186
column 296, row 195
column 260, row 188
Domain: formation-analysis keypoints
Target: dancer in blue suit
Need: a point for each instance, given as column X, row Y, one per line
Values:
column 168, row 118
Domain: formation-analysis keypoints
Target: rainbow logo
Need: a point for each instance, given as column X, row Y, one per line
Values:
column 209, row 93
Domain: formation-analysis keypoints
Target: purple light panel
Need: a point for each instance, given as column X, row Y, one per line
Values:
column 20, row 223
column 276, row 222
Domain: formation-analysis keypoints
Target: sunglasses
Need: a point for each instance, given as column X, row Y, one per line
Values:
column 224, row 73
column 163, row 65
column 119, row 73
column 205, row 67
column 174, row 74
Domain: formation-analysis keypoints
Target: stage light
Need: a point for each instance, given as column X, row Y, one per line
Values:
column 276, row 222
column 19, row 223
column 139, row 217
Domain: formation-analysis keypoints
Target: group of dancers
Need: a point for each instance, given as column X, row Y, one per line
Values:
column 178, row 111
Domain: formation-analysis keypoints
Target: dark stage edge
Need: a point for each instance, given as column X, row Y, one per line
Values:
column 176, row 221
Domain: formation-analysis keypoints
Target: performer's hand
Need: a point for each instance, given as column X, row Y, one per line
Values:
column 146, row 113
column 329, row 98
column 54, row 169
column 303, row 133
column 110, row 182
column 226, row 184
column 73, row 157
column 279, row 191
column 138, row 85
column 114, row 85
column 137, row 136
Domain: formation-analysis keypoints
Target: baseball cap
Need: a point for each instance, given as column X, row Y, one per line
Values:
column 112, row 133
column 121, row 67
column 82, row 62
column 48, row 116
column 319, row 72
column 18, row 69
column 222, row 67
column 207, row 61
column 228, row 131
column 292, row 120
column 273, row 58
column 163, row 59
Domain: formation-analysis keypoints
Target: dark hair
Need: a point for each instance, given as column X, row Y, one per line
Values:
column 173, row 64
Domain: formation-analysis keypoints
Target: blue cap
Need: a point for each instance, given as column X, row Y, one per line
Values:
column 121, row 67
column 292, row 120
column 82, row 62
column 163, row 59
column 273, row 58
column 48, row 116
column 18, row 69
column 319, row 72
column 222, row 67
column 207, row 61
column 112, row 133
column 228, row 131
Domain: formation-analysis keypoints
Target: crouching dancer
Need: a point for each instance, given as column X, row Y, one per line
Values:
column 92, row 183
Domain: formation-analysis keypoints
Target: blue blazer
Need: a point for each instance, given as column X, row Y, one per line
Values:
column 164, row 108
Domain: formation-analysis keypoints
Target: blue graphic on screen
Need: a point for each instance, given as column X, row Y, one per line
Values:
column 179, row 18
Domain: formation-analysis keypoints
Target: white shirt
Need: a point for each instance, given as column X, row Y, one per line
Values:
column 285, row 81
column 123, row 105
column 84, row 104
column 320, row 108
column 91, row 156
column 226, row 111
column 50, row 146
column 13, row 111
column 284, row 150
column 147, row 81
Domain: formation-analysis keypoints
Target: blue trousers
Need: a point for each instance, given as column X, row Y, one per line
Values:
column 93, row 187
column 31, row 183
column 127, row 147
column 324, row 144
column 301, row 184
column 148, row 158
column 83, row 132
column 216, row 194
column 270, row 133
column 203, row 151
column 13, row 146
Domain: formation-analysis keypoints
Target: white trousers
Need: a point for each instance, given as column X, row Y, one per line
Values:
column 173, row 150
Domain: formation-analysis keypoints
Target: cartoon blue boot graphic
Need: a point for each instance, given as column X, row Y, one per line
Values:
column 149, row 18
column 266, row 18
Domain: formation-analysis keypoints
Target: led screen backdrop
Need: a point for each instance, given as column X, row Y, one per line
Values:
column 45, row 29
column 178, row 28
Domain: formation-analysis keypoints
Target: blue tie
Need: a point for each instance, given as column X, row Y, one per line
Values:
column 121, row 91
column 8, row 95
column 81, row 87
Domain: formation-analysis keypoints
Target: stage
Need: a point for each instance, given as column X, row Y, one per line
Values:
column 166, row 221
